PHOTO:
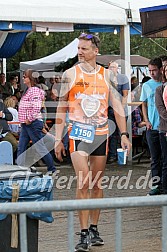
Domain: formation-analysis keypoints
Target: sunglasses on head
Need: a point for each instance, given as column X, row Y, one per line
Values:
column 89, row 37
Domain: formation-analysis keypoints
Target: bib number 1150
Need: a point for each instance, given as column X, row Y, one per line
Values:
column 82, row 132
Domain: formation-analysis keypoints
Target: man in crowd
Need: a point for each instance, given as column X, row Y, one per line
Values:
column 151, row 118
column 121, row 83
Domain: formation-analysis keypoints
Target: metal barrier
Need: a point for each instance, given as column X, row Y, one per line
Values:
column 72, row 205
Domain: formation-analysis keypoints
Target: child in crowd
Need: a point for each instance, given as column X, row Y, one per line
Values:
column 10, row 105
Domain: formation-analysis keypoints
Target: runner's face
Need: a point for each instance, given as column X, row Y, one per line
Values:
column 86, row 52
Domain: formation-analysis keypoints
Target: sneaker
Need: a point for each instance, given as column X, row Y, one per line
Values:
column 155, row 191
column 40, row 163
column 52, row 173
column 33, row 169
column 95, row 239
column 56, row 162
column 84, row 242
column 111, row 160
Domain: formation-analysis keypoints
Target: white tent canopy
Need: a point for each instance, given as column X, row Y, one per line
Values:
column 48, row 63
column 74, row 11
column 56, row 12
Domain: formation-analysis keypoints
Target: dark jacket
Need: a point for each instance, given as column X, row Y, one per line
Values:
column 8, row 117
column 6, row 90
column 161, row 108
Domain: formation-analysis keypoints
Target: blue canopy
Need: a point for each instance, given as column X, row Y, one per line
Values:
column 12, row 44
column 154, row 21
column 135, row 28
column 11, row 39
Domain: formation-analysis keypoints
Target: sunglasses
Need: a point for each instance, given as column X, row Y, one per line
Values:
column 89, row 37
column 24, row 77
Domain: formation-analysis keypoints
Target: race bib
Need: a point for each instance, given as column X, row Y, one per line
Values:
column 82, row 132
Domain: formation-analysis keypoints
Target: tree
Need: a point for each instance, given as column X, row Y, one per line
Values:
column 39, row 45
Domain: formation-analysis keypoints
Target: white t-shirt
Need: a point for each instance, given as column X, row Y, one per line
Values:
column 14, row 127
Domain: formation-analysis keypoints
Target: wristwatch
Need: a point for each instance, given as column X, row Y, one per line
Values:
column 125, row 134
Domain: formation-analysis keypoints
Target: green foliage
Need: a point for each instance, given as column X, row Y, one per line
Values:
column 110, row 43
column 39, row 45
column 148, row 47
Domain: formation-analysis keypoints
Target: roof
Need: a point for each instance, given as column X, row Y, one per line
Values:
column 136, row 60
column 62, row 15
column 74, row 11
column 154, row 21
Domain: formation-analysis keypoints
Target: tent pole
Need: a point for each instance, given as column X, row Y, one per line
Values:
column 126, row 69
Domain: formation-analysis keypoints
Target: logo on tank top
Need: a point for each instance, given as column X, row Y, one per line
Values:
column 90, row 106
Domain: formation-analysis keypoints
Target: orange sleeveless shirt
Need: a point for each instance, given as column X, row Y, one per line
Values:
column 88, row 99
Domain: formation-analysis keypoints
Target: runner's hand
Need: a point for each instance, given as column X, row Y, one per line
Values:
column 126, row 144
column 59, row 150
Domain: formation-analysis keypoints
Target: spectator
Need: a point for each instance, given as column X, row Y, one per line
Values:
column 164, row 60
column 145, row 78
column 138, row 125
column 134, row 82
column 56, row 87
column 15, row 87
column 51, row 105
column 135, row 89
column 151, row 118
column 31, row 121
column 5, row 87
column 16, row 101
column 5, row 133
column 51, row 83
column 41, row 83
column 162, row 110
column 121, row 83
column 10, row 105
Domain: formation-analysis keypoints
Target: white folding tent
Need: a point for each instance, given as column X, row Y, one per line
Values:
column 48, row 63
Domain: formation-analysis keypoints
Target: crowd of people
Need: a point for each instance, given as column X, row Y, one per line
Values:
column 88, row 115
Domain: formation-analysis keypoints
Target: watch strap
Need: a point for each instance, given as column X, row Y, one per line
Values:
column 125, row 134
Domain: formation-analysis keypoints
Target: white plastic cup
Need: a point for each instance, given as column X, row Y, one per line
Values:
column 122, row 156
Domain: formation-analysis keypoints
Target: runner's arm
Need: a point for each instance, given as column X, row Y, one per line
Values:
column 119, row 113
column 61, row 118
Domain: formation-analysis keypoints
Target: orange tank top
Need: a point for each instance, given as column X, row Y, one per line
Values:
column 88, row 99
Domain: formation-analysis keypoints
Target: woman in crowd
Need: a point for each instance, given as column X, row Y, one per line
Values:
column 31, row 121
column 160, row 104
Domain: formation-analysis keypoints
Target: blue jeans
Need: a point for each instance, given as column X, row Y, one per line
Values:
column 163, row 143
column 113, row 134
column 153, row 141
column 34, row 133
column 113, row 143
